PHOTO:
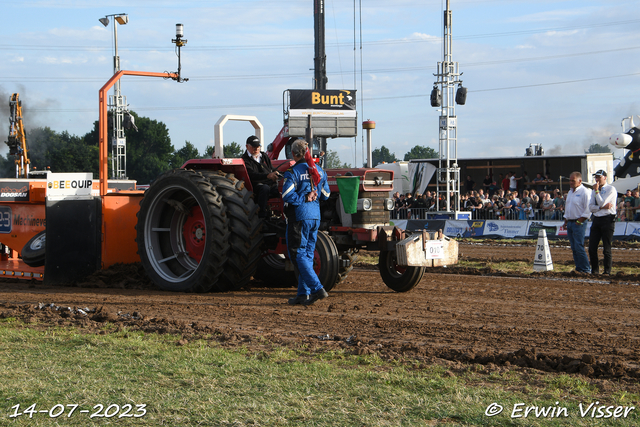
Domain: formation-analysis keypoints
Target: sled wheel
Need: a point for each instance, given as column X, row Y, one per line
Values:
column 182, row 232
column 33, row 251
column 398, row 278
column 245, row 237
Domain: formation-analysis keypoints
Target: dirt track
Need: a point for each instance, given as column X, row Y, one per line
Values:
column 553, row 322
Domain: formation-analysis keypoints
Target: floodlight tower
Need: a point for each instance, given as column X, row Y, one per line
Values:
column 118, row 106
column 442, row 95
column 320, row 59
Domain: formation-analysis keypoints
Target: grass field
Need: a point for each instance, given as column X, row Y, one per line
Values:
column 201, row 383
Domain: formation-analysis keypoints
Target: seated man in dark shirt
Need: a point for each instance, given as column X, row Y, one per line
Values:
column 264, row 179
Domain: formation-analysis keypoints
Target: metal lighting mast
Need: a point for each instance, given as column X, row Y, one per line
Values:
column 320, row 59
column 118, row 106
column 442, row 95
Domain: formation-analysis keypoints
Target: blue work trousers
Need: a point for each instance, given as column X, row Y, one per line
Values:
column 575, row 233
column 301, row 244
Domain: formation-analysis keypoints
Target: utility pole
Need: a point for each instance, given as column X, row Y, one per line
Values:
column 320, row 59
column 442, row 95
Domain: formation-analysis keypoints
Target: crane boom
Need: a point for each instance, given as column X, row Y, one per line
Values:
column 17, row 140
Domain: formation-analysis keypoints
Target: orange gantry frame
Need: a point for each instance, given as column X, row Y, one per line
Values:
column 119, row 209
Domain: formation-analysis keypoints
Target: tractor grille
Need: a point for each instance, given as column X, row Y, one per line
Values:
column 377, row 214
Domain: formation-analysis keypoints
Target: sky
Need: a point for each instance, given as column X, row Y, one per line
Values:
column 558, row 73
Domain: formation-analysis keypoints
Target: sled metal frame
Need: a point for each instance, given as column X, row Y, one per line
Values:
column 119, row 208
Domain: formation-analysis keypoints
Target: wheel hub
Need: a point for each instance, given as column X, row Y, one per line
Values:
column 194, row 232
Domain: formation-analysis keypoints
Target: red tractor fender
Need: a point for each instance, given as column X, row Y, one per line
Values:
column 234, row 166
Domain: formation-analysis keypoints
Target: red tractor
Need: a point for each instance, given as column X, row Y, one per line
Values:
column 198, row 229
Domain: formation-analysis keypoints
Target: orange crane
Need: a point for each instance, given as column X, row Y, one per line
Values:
column 17, row 140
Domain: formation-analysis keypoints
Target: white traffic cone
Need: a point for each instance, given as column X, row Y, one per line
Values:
column 542, row 260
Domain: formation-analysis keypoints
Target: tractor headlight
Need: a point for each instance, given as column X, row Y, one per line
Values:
column 389, row 204
column 365, row 204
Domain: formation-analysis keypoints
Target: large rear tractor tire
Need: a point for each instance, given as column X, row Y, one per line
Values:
column 245, row 237
column 182, row 232
column 400, row 279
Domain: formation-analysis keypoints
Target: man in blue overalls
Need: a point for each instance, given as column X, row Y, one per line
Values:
column 303, row 219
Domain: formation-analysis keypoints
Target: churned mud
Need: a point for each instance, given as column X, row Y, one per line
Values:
column 555, row 322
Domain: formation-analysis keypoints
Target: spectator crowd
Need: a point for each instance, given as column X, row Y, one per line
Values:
column 515, row 198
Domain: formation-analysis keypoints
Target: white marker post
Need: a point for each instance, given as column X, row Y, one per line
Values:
column 542, row 260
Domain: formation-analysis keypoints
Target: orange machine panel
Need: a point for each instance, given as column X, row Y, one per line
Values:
column 22, row 211
column 119, row 218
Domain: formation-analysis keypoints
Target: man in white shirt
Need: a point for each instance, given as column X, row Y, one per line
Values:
column 576, row 213
column 513, row 181
column 603, row 223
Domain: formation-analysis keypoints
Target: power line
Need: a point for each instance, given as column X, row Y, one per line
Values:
column 381, row 98
column 556, row 83
column 305, row 73
column 433, row 39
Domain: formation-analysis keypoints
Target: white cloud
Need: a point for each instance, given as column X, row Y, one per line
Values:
column 552, row 15
column 429, row 37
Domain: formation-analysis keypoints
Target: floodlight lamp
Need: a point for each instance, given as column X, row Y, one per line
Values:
column 122, row 19
column 461, row 95
column 179, row 31
column 436, row 97
column 104, row 21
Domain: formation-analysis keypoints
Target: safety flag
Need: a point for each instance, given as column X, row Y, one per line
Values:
column 313, row 171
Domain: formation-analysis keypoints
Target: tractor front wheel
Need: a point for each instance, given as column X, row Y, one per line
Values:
column 271, row 268
column 398, row 278
column 326, row 261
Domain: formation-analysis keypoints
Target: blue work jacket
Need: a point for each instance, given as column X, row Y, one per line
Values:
column 297, row 184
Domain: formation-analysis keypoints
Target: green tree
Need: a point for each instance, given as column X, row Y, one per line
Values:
column 597, row 148
column 188, row 152
column 233, row 150
column 208, row 152
column 421, row 152
column 382, row 154
column 149, row 150
column 61, row 152
column 332, row 161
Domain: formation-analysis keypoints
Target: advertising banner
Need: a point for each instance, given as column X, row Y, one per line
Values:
column 420, row 173
column 322, row 103
column 505, row 228
column 401, row 223
column 14, row 191
column 69, row 184
column 464, row 228
column 621, row 229
column 424, row 224
column 551, row 227
column 632, row 229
